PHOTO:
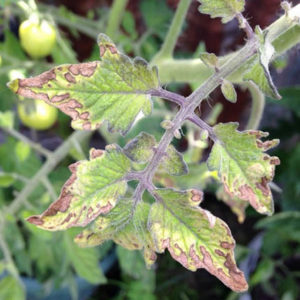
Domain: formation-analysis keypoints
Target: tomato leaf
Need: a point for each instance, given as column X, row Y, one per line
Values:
column 228, row 91
column 11, row 289
column 124, row 227
column 142, row 148
column 115, row 89
column 260, row 73
column 93, row 188
column 243, row 166
column 225, row 9
column 194, row 237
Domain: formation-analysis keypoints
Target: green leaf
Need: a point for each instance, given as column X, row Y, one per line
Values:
column 115, row 89
column 123, row 227
column 194, row 237
column 6, row 180
column 6, row 119
column 243, row 166
column 209, row 59
column 142, row 148
column 84, row 261
column 11, row 289
column 22, row 150
column 228, row 91
column 260, row 73
column 93, row 188
column 225, row 9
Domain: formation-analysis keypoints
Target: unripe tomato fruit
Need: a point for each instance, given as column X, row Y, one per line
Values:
column 37, row 114
column 37, row 38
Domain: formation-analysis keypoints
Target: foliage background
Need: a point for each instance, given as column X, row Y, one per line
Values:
column 267, row 247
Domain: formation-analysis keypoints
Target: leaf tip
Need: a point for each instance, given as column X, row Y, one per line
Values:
column 35, row 220
column 13, row 85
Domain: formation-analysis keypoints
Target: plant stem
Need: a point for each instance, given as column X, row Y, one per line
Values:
column 37, row 147
column 187, row 111
column 257, row 106
column 59, row 154
column 173, row 97
column 203, row 125
column 115, row 18
column 169, row 44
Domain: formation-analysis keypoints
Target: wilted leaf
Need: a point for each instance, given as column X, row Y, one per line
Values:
column 243, row 166
column 84, row 261
column 114, row 89
column 123, row 227
column 228, row 91
column 194, row 237
column 142, row 148
column 225, row 9
column 260, row 73
column 93, row 188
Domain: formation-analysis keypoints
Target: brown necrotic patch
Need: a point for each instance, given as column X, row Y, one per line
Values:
column 94, row 153
column 59, row 98
column 263, row 186
column 85, row 115
column 84, row 69
column 70, row 78
column 38, row 81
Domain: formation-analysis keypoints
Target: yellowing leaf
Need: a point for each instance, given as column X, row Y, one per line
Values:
column 114, row 89
column 243, row 166
column 194, row 237
column 93, row 188
column 225, row 9
column 124, row 227
column 142, row 148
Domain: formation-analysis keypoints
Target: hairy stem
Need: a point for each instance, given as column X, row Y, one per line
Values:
column 115, row 18
column 59, row 154
column 169, row 44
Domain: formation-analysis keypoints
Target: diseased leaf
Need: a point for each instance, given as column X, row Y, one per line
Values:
column 84, row 261
column 228, row 91
column 260, row 73
column 115, row 89
column 225, row 9
column 237, row 205
column 194, row 237
column 243, row 166
column 93, row 188
column 142, row 148
column 123, row 227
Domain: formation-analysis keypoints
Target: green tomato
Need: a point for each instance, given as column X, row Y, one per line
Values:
column 37, row 38
column 37, row 114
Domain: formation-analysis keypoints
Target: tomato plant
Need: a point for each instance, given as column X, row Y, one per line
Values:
column 37, row 37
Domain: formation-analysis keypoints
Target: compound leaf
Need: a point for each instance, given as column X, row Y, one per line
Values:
column 93, row 188
column 114, row 89
column 225, row 9
column 260, row 73
column 124, row 227
column 142, row 148
column 243, row 166
column 194, row 237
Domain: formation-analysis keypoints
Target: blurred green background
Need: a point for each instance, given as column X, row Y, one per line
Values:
column 35, row 264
